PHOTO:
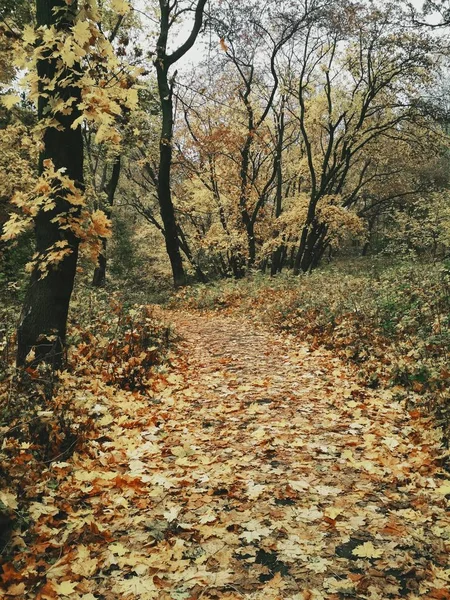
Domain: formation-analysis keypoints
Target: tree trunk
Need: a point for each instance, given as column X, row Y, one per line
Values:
column 301, row 250
column 44, row 315
column 187, row 251
column 277, row 254
column 99, row 277
column 233, row 262
column 275, row 266
column 164, row 191
column 162, row 63
column 312, row 247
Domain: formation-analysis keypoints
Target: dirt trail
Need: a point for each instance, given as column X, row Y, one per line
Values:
column 252, row 469
column 319, row 486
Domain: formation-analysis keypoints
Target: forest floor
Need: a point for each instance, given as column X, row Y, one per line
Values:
column 255, row 468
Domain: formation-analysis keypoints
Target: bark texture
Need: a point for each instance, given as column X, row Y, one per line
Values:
column 44, row 316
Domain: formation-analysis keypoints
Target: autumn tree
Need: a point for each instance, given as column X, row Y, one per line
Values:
column 209, row 160
column 68, row 37
column 140, row 160
column 253, row 37
column 104, row 160
column 345, row 116
column 44, row 315
column 164, row 60
column 17, row 148
column 347, row 99
column 230, row 144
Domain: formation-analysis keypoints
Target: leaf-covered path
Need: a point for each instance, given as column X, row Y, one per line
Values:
column 255, row 469
column 317, row 487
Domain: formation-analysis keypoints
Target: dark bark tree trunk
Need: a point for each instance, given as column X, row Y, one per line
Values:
column 301, row 249
column 312, row 247
column 187, row 251
column 244, row 174
column 44, row 316
column 164, row 188
column 277, row 254
column 284, row 252
column 163, row 63
column 99, row 277
column 275, row 266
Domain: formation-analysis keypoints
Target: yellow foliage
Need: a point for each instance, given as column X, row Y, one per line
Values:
column 14, row 227
column 101, row 224
column 9, row 100
column 342, row 223
column 51, row 187
column 106, row 91
column 121, row 7
column 18, row 156
column 367, row 550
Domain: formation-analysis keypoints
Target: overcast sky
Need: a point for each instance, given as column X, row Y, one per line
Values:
column 198, row 52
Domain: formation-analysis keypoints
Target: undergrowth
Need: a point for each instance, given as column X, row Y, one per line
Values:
column 46, row 416
column 391, row 321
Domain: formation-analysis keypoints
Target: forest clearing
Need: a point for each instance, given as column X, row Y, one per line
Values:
column 224, row 300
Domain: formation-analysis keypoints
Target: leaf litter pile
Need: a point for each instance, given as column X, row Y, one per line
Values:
column 253, row 468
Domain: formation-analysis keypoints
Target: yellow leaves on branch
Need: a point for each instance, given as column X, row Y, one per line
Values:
column 100, row 223
column 85, row 58
column 18, row 155
column 121, row 7
column 341, row 223
column 102, row 106
column 43, row 262
column 9, row 100
column 15, row 226
column 55, row 190
column 82, row 32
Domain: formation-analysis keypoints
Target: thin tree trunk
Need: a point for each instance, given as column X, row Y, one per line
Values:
column 301, row 250
column 311, row 249
column 276, row 255
column 99, row 277
column 187, row 251
column 164, row 190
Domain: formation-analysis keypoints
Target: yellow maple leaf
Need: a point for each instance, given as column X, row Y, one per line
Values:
column 65, row 588
column 103, row 134
column 9, row 500
column 9, row 100
column 68, row 53
column 141, row 587
column 81, row 33
column 101, row 223
column 29, row 35
column 444, row 489
column 121, row 7
column 333, row 511
column 14, row 227
column 132, row 98
column 367, row 550
column 118, row 548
